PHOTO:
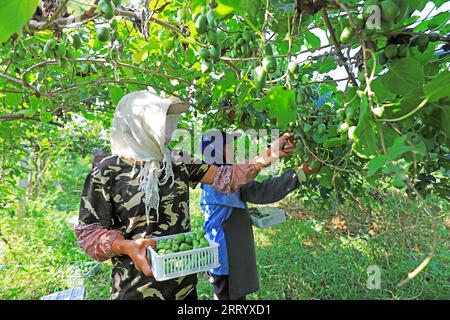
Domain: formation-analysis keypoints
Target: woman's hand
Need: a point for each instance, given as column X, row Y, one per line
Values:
column 282, row 147
column 137, row 251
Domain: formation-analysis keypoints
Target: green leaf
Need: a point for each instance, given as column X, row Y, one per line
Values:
column 22, row 11
column 332, row 143
column 404, row 76
column 116, row 93
column 13, row 99
column 380, row 90
column 284, row 5
column 223, row 10
column 45, row 116
column 441, row 117
column 365, row 136
column 426, row 56
column 325, row 177
column 281, row 104
column 327, row 65
column 139, row 55
column 154, row 44
column 376, row 164
column 439, row 87
column 248, row 9
column 312, row 41
column 400, row 147
column 409, row 102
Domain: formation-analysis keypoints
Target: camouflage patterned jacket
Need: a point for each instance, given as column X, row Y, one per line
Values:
column 111, row 198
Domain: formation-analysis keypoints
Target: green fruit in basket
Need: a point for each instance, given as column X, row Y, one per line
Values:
column 180, row 237
column 175, row 247
column 204, row 243
column 160, row 245
column 189, row 238
column 162, row 251
column 170, row 251
column 185, row 247
column 195, row 243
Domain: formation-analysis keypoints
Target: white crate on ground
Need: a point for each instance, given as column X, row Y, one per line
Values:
column 178, row 264
column 264, row 217
column 76, row 293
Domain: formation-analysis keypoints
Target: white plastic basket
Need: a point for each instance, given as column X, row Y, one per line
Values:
column 275, row 216
column 178, row 264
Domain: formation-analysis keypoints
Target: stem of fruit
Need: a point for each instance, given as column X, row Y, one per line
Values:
column 322, row 161
column 420, row 106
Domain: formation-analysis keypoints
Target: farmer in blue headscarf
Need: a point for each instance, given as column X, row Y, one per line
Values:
column 227, row 220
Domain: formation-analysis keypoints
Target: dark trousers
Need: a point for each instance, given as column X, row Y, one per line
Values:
column 221, row 288
column 192, row 296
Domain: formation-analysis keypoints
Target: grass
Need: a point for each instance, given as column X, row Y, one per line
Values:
column 316, row 254
column 324, row 255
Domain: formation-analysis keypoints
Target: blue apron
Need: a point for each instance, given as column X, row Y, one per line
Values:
column 217, row 208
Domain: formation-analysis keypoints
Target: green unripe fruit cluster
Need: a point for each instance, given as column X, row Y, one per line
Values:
column 182, row 242
column 206, row 24
column 242, row 44
column 392, row 12
column 393, row 52
column 58, row 50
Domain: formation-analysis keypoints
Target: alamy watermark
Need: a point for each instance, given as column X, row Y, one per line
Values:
column 374, row 277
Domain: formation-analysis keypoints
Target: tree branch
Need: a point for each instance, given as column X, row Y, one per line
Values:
column 56, row 14
column 12, row 117
column 338, row 46
column 61, row 23
column 9, row 78
column 102, row 61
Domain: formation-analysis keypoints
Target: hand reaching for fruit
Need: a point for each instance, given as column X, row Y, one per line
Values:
column 282, row 147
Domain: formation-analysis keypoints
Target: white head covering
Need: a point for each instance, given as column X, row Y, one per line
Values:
column 139, row 131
